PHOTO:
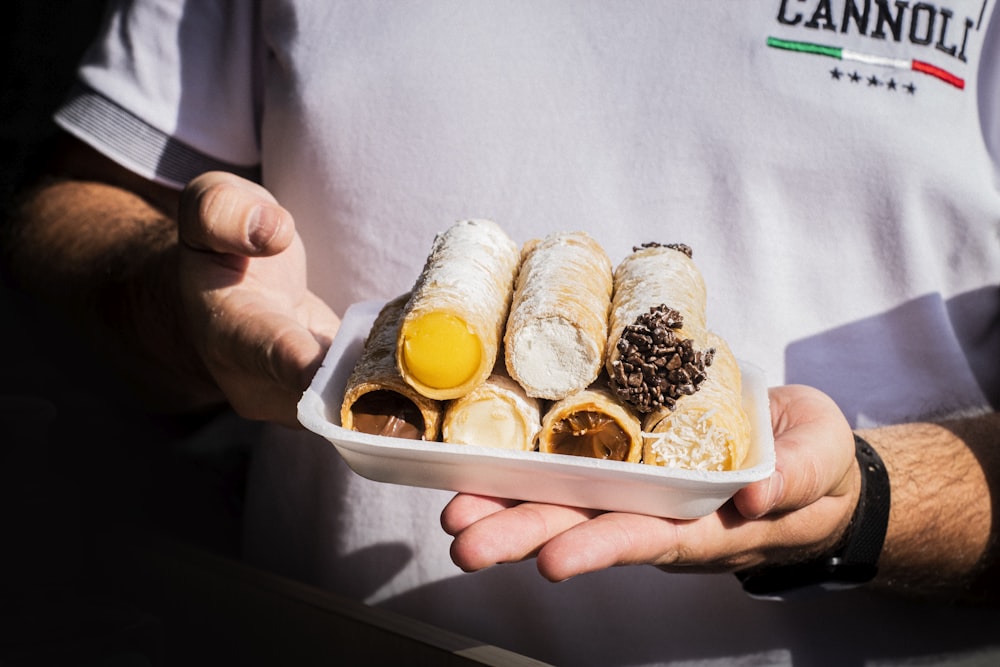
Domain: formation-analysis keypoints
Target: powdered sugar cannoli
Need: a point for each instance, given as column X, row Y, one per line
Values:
column 453, row 324
column 558, row 326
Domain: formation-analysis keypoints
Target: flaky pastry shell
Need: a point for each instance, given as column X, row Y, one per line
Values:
column 649, row 277
column 469, row 273
column 557, row 330
column 708, row 430
column 376, row 370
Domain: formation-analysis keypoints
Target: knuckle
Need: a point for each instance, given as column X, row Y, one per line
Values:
column 214, row 204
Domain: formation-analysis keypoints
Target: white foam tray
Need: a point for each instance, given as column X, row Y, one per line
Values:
column 533, row 476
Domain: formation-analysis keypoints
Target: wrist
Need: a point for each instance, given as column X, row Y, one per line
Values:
column 853, row 560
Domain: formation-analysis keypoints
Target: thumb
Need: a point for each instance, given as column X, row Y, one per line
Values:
column 224, row 213
column 814, row 449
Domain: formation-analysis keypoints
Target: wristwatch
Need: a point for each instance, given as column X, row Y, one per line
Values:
column 854, row 561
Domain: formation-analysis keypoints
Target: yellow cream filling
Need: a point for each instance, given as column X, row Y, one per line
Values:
column 440, row 351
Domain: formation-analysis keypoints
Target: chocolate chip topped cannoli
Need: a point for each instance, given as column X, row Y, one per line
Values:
column 558, row 326
column 452, row 326
column 592, row 423
column 497, row 413
column 376, row 399
column 708, row 430
column 658, row 343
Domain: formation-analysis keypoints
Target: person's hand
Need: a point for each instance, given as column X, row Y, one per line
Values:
column 258, row 329
column 800, row 510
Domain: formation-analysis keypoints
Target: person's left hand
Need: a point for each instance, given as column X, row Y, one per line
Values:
column 259, row 330
column 802, row 509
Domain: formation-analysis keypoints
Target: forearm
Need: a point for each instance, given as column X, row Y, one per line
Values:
column 945, row 481
column 104, row 259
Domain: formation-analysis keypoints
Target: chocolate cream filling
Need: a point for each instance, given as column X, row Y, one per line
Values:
column 591, row 434
column 388, row 413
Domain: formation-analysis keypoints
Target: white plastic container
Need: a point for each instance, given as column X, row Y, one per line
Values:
column 533, row 476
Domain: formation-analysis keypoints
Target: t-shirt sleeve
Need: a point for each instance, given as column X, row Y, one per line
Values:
column 170, row 89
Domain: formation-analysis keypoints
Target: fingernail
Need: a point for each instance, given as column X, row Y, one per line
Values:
column 772, row 493
column 263, row 225
column 775, row 488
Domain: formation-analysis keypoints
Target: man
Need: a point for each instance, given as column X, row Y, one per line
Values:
column 825, row 199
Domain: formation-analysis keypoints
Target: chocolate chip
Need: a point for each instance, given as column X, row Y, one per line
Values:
column 679, row 247
column 657, row 367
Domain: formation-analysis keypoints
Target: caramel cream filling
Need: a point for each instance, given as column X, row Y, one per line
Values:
column 592, row 434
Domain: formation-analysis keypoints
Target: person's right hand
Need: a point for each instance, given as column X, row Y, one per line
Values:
column 256, row 326
column 802, row 509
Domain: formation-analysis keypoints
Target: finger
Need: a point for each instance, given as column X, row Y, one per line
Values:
column 718, row 542
column 320, row 326
column 224, row 213
column 814, row 455
column 272, row 395
column 607, row 541
column 274, row 347
column 512, row 534
column 465, row 509
column 293, row 356
column 259, row 344
column 760, row 498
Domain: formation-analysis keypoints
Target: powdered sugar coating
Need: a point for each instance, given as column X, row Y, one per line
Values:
column 469, row 273
column 653, row 276
column 557, row 331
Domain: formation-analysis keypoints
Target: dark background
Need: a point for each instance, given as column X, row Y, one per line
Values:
column 78, row 463
column 41, row 41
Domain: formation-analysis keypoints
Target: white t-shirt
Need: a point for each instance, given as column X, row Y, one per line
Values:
column 830, row 163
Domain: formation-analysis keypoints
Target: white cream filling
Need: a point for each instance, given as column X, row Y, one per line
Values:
column 490, row 423
column 553, row 358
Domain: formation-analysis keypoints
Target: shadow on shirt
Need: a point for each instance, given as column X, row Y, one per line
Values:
column 929, row 358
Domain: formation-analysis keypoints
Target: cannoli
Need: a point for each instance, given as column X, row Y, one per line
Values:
column 557, row 331
column 657, row 274
column 708, row 430
column 452, row 326
column 592, row 423
column 376, row 399
column 657, row 344
column 497, row 413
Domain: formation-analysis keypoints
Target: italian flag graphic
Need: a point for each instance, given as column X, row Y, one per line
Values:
column 867, row 58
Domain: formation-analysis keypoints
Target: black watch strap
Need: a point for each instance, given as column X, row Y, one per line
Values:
column 854, row 561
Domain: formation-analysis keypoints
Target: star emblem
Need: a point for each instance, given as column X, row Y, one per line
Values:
column 873, row 81
column 910, row 88
column 891, row 84
column 854, row 77
column 836, row 73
